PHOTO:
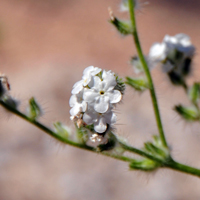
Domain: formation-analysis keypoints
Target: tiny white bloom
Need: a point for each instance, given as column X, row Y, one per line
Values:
column 88, row 73
column 77, row 103
column 100, row 120
column 158, row 52
column 102, row 94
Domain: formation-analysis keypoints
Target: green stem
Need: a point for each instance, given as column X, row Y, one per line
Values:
column 169, row 163
column 183, row 168
column 139, row 152
column 60, row 138
column 148, row 75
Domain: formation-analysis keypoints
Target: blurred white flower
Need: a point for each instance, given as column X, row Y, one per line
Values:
column 172, row 52
column 170, row 45
column 158, row 52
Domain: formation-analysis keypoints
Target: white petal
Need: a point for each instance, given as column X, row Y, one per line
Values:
column 157, row 52
column 84, row 106
column 90, row 95
column 102, row 104
column 72, row 100
column 78, row 86
column 110, row 118
column 86, row 80
column 115, row 96
column 95, row 71
column 113, row 119
column 170, row 39
column 97, row 81
column 89, row 118
column 100, row 126
column 109, row 79
column 183, row 39
column 75, row 110
column 87, row 70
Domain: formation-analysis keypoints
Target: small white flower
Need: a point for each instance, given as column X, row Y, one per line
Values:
column 77, row 103
column 88, row 73
column 158, row 52
column 100, row 120
column 102, row 94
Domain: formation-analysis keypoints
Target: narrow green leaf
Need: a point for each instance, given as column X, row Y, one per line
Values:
column 62, row 130
column 123, row 26
column 139, row 84
column 144, row 165
column 34, row 110
column 188, row 113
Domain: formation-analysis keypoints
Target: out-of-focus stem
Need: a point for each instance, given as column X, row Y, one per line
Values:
column 147, row 72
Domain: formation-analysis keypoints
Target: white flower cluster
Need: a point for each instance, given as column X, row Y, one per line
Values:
column 94, row 97
column 174, row 52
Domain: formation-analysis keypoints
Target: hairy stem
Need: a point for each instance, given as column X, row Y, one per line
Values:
column 183, row 168
column 169, row 163
column 148, row 75
column 60, row 138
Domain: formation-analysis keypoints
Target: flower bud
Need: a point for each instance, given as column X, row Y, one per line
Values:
column 156, row 148
column 62, row 130
column 144, row 165
column 123, row 26
column 10, row 101
column 109, row 144
column 188, row 113
column 34, row 110
column 139, row 84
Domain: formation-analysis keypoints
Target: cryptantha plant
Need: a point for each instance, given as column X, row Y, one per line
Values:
column 95, row 97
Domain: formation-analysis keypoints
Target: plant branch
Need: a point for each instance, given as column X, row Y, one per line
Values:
column 60, row 138
column 168, row 163
column 148, row 75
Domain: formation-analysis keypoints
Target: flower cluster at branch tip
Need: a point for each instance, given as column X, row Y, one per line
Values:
column 175, row 53
column 94, row 98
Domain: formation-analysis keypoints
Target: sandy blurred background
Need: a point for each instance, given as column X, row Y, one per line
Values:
column 44, row 46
